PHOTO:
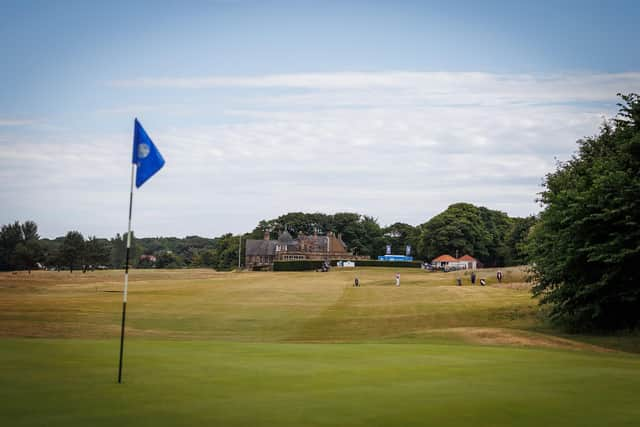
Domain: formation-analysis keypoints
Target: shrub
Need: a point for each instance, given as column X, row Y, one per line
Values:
column 303, row 265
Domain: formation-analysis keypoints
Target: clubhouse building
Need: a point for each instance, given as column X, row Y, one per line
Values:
column 261, row 254
column 464, row 262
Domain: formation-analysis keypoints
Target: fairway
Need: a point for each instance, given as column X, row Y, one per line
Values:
column 303, row 348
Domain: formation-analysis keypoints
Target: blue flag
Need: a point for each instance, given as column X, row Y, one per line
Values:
column 146, row 156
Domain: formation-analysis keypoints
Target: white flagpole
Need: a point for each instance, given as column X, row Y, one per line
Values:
column 126, row 276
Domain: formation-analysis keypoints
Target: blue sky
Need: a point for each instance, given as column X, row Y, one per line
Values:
column 393, row 109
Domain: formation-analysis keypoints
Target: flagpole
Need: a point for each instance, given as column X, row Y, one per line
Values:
column 126, row 276
column 239, row 251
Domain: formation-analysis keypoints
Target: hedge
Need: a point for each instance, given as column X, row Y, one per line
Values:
column 303, row 265
column 306, row 265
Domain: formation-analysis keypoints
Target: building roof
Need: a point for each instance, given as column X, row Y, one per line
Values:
column 304, row 244
column 313, row 243
column 445, row 258
column 285, row 238
column 467, row 258
column 260, row 247
column 344, row 245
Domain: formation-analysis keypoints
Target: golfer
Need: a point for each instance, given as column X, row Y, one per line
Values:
column 397, row 279
column 499, row 276
column 356, row 283
column 473, row 277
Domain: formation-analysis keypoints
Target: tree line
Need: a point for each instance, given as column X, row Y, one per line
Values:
column 491, row 236
column 22, row 249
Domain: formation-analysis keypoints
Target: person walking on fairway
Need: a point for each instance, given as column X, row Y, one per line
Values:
column 397, row 279
column 473, row 277
column 356, row 282
column 499, row 276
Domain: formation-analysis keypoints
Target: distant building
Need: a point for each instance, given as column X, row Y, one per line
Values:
column 148, row 258
column 464, row 262
column 470, row 261
column 263, row 253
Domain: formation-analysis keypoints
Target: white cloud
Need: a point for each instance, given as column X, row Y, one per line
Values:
column 17, row 122
column 398, row 146
column 472, row 87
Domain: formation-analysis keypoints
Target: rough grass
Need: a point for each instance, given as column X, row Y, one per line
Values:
column 283, row 307
column 256, row 306
column 233, row 349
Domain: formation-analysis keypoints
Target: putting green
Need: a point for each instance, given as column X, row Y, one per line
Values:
column 72, row 383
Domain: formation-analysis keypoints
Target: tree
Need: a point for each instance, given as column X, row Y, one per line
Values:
column 97, row 251
column 51, row 251
column 72, row 250
column 19, row 246
column 227, row 252
column 28, row 253
column 29, row 231
column 497, row 225
column 399, row 235
column 206, row 258
column 10, row 236
column 167, row 259
column 586, row 247
column 466, row 229
column 516, row 240
column 119, row 250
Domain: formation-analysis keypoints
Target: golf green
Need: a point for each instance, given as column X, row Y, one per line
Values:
column 72, row 382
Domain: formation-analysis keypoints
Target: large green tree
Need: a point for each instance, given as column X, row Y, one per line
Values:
column 467, row 229
column 585, row 250
column 362, row 234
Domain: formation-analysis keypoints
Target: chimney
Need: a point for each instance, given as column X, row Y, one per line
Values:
column 266, row 235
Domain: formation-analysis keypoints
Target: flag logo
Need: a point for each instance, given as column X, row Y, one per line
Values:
column 143, row 151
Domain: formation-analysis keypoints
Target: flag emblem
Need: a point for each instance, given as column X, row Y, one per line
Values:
column 143, row 151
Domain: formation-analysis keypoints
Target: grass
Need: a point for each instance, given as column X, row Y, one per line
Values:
column 295, row 349
column 201, row 304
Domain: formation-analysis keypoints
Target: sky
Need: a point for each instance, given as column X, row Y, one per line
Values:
column 393, row 109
